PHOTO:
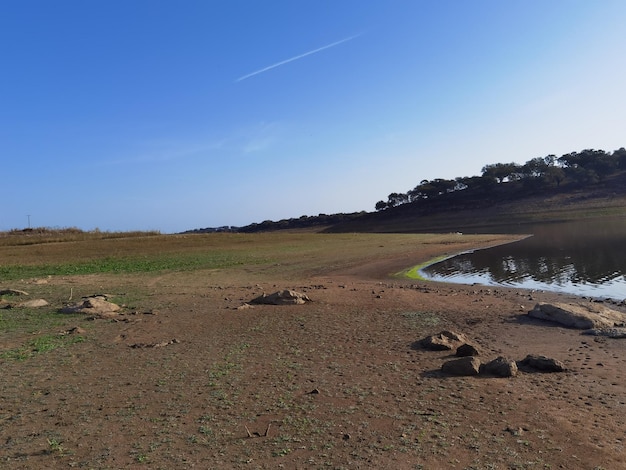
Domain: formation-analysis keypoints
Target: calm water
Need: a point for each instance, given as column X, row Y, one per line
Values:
column 583, row 258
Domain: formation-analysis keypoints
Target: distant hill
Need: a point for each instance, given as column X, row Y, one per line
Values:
column 504, row 207
column 305, row 221
column 507, row 195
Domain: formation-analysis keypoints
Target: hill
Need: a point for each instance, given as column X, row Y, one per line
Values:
column 506, row 195
column 505, row 206
column 500, row 209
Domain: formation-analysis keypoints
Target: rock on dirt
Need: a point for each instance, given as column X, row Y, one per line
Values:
column 92, row 305
column 500, row 367
column 469, row 365
column 542, row 363
column 467, row 349
column 34, row 303
column 445, row 341
column 285, row 297
column 582, row 316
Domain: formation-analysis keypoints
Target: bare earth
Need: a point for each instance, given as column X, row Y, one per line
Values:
column 335, row 383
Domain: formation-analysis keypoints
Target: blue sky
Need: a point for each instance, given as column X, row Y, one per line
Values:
column 175, row 115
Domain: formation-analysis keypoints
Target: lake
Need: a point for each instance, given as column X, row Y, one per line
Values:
column 586, row 258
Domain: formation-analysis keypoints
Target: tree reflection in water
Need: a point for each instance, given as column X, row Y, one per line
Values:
column 585, row 258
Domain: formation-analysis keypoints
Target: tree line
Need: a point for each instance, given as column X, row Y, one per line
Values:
column 581, row 168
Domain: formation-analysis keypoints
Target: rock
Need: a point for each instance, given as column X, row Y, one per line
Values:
column 244, row 306
column 582, row 316
column 35, row 303
column 515, row 431
column 608, row 332
column 13, row 292
column 92, row 305
column 500, row 367
column 153, row 345
column 467, row 349
column 444, row 341
column 285, row 297
column 464, row 366
column 77, row 330
column 542, row 363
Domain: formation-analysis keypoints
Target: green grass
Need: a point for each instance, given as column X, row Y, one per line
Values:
column 139, row 264
column 40, row 345
column 414, row 272
column 39, row 331
column 29, row 321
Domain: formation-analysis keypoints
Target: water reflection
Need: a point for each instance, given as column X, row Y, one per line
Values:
column 583, row 258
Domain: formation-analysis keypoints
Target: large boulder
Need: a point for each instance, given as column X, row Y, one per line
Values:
column 92, row 305
column 469, row 365
column 467, row 349
column 444, row 341
column 542, row 363
column 500, row 367
column 583, row 316
column 285, row 297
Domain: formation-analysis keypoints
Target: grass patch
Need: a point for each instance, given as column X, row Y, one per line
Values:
column 41, row 345
column 27, row 321
column 414, row 272
column 143, row 264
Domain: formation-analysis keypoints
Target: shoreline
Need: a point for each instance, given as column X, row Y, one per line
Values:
column 414, row 271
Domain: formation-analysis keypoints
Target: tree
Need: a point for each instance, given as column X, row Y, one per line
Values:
column 396, row 199
column 589, row 166
column 502, row 171
column 620, row 158
column 381, row 205
column 534, row 168
column 554, row 174
column 477, row 183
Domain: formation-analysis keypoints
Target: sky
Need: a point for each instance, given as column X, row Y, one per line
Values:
column 176, row 115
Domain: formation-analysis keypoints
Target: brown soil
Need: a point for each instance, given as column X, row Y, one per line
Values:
column 336, row 383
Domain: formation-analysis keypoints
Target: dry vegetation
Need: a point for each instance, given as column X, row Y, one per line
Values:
column 336, row 383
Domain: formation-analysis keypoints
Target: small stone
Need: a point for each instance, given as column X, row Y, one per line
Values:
column 77, row 330
column 515, row 431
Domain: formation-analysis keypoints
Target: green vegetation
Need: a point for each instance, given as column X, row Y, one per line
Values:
column 40, row 345
column 28, row 321
column 414, row 272
column 128, row 264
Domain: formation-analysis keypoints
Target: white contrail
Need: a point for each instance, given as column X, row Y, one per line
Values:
column 278, row 64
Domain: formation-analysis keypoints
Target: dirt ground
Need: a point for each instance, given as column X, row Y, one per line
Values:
column 186, row 379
